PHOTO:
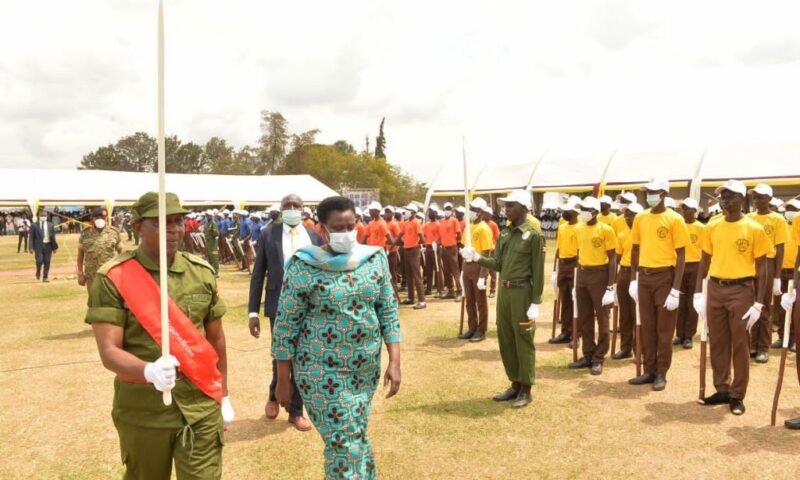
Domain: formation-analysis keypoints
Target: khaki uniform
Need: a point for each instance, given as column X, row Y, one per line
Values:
column 211, row 233
column 153, row 435
column 99, row 246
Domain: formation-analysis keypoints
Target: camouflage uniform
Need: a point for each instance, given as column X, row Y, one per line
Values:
column 99, row 246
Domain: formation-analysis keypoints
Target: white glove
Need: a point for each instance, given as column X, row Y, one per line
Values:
column 776, row 287
column 554, row 281
column 161, row 373
column 434, row 247
column 752, row 315
column 609, row 298
column 227, row 412
column 469, row 254
column 788, row 299
column 481, row 283
column 533, row 312
column 699, row 303
column 633, row 290
column 673, row 300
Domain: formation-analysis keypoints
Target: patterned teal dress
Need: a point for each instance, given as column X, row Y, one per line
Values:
column 334, row 313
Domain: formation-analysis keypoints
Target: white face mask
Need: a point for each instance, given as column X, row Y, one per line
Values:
column 343, row 242
column 473, row 216
column 448, row 213
column 291, row 217
column 585, row 217
column 100, row 223
column 653, row 199
column 790, row 216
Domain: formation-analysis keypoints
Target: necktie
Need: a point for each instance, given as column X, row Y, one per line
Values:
column 293, row 233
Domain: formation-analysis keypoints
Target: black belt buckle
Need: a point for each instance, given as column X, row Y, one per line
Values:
column 515, row 283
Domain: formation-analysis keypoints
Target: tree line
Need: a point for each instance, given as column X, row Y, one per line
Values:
column 278, row 152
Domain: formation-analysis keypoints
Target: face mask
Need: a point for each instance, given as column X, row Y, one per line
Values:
column 586, row 217
column 291, row 217
column 790, row 216
column 653, row 199
column 473, row 216
column 448, row 213
column 343, row 242
column 100, row 224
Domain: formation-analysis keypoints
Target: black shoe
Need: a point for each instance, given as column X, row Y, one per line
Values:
column 584, row 362
column 717, row 399
column 660, row 383
column 522, row 400
column 478, row 337
column 642, row 379
column 687, row 344
column 509, row 394
column 560, row 338
column 793, row 424
column 622, row 354
column 677, row 341
column 466, row 335
column 737, row 406
column 597, row 368
column 762, row 357
column 753, row 354
column 777, row 344
column 407, row 302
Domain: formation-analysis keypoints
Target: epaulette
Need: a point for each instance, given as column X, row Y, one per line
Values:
column 122, row 257
column 197, row 261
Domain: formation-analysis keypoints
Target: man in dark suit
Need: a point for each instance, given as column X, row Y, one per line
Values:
column 276, row 243
column 43, row 244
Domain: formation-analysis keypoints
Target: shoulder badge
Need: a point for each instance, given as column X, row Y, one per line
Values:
column 526, row 235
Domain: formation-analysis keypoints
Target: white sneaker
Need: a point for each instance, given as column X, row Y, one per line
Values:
column 420, row 306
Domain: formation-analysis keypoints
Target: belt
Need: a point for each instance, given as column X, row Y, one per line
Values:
column 516, row 283
column 787, row 270
column 727, row 282
column 621, row 268
column 178, row 376
column 653, row 271
column 593, row 267
column 567, row 260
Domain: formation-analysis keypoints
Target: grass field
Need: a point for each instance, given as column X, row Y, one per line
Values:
column 55, row 399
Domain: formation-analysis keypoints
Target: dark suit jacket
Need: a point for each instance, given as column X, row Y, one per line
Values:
column 269, row 263
column 36, row 242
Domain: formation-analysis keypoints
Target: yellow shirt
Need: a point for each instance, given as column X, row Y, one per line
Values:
column 620, row 225
column 624, row 247
column 607, row 219
column 594, row 241
column 658, row 236
column 775, row 227
column 535, row 223
column 566, row 242
column 695, row 246
column 734, row 248
column 481, row 237
column 790, row 253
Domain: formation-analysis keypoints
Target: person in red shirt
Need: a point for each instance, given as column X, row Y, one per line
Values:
column 411, row 237
column 392, row 249
column 449, row 238
column 433, row 274
column 361, row 237
column 488, row 217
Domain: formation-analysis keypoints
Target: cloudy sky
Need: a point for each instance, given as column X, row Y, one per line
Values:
column 514, row 77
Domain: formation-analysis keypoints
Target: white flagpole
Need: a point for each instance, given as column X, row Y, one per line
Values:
column 162, row 199
column 467, row 229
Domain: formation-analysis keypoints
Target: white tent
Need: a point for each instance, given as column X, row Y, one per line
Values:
column 30, row 187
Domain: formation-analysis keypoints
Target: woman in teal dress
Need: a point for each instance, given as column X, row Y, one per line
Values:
column 336, row 308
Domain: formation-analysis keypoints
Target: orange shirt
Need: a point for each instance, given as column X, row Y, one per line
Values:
column 495, row 230
column 449, row 228
column 309, row 223
column 394, row 230
column 411, row 232
column 431, row 231
column 463, row 225
column 362, row 232
column 376, row 233
column 321, row 232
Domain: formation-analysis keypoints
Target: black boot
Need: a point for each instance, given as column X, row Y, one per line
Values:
column 509, row 394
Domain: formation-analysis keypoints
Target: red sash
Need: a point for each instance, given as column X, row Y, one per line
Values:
column 197, row 357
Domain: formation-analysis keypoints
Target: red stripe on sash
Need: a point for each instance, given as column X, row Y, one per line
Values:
column 197, row 357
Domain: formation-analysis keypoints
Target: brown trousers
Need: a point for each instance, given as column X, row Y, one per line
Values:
column 433, row 271
column 777, row 311
column 474, row 299
column 687, row 316
column 566, row 282
column 627, row 310
column 590, row 287
column 658, row 323
column 413, row 274
column 728, row 335
column 394, row 267
column 452, row 273
column 760, row 336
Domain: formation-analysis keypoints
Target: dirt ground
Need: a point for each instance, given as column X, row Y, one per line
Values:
column 55, row 399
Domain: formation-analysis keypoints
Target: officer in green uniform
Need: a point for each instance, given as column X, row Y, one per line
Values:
column 190, row 430
column 235, row 241
column 519, row 257
column 98, row 244
column 211, row 233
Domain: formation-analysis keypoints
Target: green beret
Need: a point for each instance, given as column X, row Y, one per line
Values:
column 147, row 206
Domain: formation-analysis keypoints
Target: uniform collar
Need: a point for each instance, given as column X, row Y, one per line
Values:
column 178, row 264
column 524, row 227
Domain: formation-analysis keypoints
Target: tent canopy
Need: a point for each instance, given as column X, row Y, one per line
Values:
column 23, row 187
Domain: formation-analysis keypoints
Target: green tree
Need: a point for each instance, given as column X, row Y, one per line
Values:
column 344, row 147
column 134, row 153
column 273, row 141
column 216, row 151
column 304, row 139
column 380, row 142
column 188, row 158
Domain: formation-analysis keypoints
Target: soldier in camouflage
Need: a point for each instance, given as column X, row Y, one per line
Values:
column 98, row 244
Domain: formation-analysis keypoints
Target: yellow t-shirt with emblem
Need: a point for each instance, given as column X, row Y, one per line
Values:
column 481, row 237
column 566, row 242
column 734, row 248
column 694, row 248
column 607, row 219
column 624, row 247
column 790, row 250
column 775, row 227
column 658, row 236
column 594, row 241
column 620, row 225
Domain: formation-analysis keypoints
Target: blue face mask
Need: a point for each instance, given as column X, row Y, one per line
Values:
column 653, row 199
column 291, row 217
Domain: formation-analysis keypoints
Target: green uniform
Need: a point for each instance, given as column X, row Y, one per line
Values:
column 519, row 257
column 237, row 247
column 151, row 434
column 99, row 246
column 211, row 232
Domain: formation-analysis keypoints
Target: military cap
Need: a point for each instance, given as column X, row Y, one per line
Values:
column 147, row 206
